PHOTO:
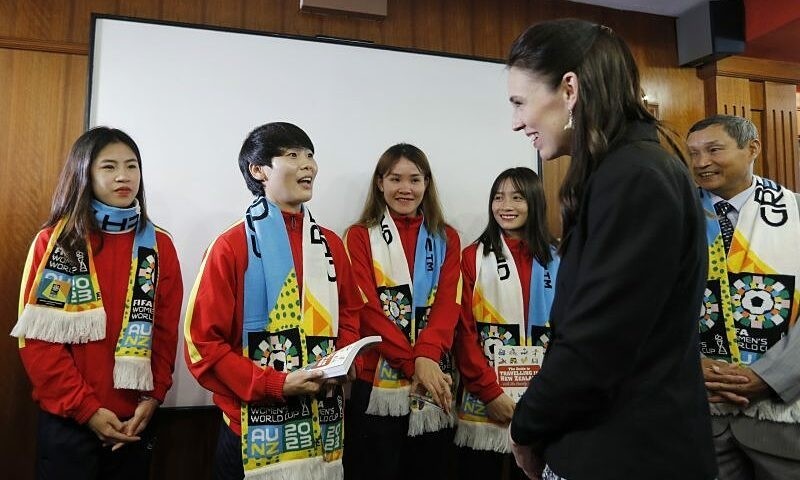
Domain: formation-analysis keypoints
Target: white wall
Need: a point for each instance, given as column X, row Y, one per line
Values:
column 189, row 96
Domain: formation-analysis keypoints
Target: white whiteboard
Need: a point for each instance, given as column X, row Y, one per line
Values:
column 189, row 96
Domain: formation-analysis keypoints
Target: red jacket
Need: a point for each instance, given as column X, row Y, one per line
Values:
column 478, row 376
column 75, row 381
column 213, row 329
column 437, row 337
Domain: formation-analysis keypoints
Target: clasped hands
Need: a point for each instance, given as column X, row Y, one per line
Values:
column 116, row 433
column 732, row 384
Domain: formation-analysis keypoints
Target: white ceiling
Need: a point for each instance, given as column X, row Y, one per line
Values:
column 672, row 8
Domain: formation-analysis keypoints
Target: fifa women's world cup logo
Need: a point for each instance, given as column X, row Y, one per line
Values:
column 146, row 276
column 709, row 311
column 396, row 303
column 761, row 308
column 279, row 350
column 493, row 336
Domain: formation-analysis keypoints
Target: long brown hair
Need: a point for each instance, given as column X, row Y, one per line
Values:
column 375, row 204
column 73, row 195
column 609, row 95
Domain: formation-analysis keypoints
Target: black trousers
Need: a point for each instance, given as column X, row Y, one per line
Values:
column 484, row 465
column 70, row 451
column 379, row 447
column 228, row 455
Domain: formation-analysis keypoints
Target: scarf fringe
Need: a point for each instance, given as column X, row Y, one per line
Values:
column 482, row 436
column 307, row 469
column 428, row 420
column 763, row 410
column 389, row 402
column 133, row 373
column 333, row 470
column 42, row 323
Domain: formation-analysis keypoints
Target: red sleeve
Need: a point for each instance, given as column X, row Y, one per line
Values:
column 479, row 377
column 213, row 328
column 168, row 312
column 437, row 337
column 58, row 385
column 394, row 347
column 350, row 300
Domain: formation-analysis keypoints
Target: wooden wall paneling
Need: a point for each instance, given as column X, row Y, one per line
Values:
column 8, row 13
column 38, row 121
column 781, row 140
column 397, row 27
column 766, row 92
column 758, row 118
column 44, row 46
column 79, row 13
column 456, row 23
column 428, row 24
column 760, row 167
column 757, row 69
column 677, row 92
column 302, row 23
column 370, row 30
column 80, row 16
column 515, row 19
column 332, row 25
column 553, row 171
column 710, row 88
column 486, row 30
column 756, row 95
column 190, row 11
column 224, row 13
column 797, row 97
column 40, row 20
column 142, row 8
column 728, row 95
column 17, row 439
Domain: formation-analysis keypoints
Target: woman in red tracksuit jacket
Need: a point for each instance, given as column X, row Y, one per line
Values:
column 414, row 354
column 98, row 335
column 278, row 166
column 517, row 218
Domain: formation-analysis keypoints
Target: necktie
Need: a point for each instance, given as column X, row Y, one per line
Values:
column 726, row 227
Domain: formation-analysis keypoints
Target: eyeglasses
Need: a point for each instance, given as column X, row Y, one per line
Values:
column 418, row 402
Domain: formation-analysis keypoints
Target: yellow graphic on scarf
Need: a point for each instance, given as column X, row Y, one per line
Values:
column 61, row 291
column 742, row 259
column 380, row 277
column 286, row 315
column 718, row 270
column 64, row 304
column 317, row 320
column 143, row 351
column 482, row 309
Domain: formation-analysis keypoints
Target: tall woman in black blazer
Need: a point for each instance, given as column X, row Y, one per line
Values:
column 620, row 394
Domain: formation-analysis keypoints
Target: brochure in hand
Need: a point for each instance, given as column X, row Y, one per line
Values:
column 515, row 366
column 337, row 364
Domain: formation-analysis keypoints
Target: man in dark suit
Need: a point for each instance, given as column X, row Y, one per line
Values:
column 750, row 345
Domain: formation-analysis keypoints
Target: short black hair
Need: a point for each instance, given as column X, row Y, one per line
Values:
column 266, row 142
